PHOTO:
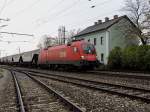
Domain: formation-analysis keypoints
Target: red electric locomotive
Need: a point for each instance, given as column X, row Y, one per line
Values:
column 79, row 54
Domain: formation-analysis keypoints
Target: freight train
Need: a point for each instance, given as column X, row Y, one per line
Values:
column 75, row 54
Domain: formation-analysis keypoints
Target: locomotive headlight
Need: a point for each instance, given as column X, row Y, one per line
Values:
column 82, row 57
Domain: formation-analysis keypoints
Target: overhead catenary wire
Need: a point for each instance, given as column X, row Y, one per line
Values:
column 10, row 2
column 62, row 12
column 65, row 10
column 12, row 41
column 81, row 21
column 17, row 33
column 3, row 7
column 100, row 3
column 97, row 4
column 57, row 13
column 25, row 9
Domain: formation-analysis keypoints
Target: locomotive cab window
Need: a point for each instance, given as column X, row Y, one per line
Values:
column 88, row 48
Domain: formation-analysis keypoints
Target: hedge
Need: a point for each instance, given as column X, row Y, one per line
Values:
column 115, row 58
column 133, row 57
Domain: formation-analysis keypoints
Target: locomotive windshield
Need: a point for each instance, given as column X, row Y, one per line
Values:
column 88, row 48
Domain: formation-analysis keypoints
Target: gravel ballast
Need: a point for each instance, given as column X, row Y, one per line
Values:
column 97, row 101
column 7, row 93
column 36, row 98
column 141, row 83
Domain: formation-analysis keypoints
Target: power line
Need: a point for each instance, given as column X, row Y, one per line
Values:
column 26, row 8
column 2, row 19
column 12, row 41
column 10, row 2
column 101, row 3
column 89, row 19
column 17, row 34
column 54, row 7
column 60, row 12
column 93, row 18
column 4, row 5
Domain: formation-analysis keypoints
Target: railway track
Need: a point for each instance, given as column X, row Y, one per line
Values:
column 125, row 91
column 122, row 74
column 19, row 94
column 140, row 76
column 8, row 100
column 35, row 96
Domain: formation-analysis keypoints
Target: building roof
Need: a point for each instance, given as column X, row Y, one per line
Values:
column 101, row 26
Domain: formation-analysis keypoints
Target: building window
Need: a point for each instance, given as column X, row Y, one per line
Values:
column 102, row 40
column 94, row 41
column 102, row 57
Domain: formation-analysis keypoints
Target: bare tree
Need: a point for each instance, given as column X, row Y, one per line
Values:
column 73, row 32
column 139, row 12
column 47, row 41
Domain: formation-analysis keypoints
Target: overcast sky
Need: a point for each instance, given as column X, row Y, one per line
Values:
column 40, row 17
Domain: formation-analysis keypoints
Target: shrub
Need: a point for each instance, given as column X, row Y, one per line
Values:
column 128, row 57
column 115, row 58
column 132, row 57
column 147, row 60
column 141, row 51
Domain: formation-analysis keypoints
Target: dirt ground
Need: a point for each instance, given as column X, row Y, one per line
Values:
column 3, row 80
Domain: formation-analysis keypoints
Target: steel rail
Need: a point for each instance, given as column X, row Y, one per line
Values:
column 112, row 89
column 121, row 74
column 113, row 74
column 116, row 74
column 92, row 81
column 133, row 96
column 72, row 106
column 19, row 95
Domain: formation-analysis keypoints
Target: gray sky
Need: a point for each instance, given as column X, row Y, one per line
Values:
column 41, row 17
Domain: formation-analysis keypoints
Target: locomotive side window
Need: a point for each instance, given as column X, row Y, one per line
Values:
column 88, row 48
column 75, row 49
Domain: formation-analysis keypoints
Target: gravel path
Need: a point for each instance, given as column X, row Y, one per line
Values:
column 7, row 93
column 96, row 101
column 38, row 99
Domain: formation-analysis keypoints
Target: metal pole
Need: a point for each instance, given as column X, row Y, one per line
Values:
column 64, row 30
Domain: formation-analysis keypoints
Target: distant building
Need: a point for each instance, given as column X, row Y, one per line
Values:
column 107, row 35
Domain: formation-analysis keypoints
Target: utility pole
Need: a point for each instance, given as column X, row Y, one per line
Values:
column 64, row 32
column 59, row 35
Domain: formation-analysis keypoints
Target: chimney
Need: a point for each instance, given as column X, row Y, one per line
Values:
column 106, row 19
column 99, row 21
column 115, row 16
column 95, row 23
